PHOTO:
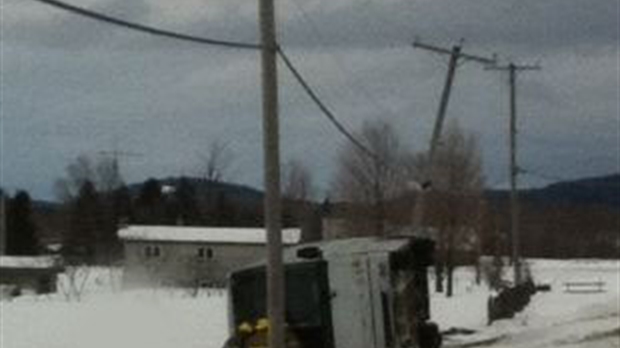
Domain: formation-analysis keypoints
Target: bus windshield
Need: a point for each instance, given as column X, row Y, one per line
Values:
column 307, row 294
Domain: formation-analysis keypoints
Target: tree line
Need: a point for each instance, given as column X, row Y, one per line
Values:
column 20, row 230
column 368, row 196
column 95, row 202
column 375, row 196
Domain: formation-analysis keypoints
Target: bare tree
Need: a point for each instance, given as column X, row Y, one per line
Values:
column 77, row 174
column 72, row 283
column 215, row 162
column 104, row 174
column 297, row 181
column 107, row 175
column 100, row 217
column 297, row 194
column 370, row 182
column 456, row 204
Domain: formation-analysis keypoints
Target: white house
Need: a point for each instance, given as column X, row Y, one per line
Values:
column 191, row 256
column 30, row 273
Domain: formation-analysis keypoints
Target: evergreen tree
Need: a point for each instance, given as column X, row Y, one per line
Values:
column 116, row 210
column 150, row 204
column 225, row 212
column 186, row 204
column 123, row 208
column 85, row 236
column 21, row 231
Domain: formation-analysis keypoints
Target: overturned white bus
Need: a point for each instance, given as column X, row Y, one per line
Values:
column 349, row 293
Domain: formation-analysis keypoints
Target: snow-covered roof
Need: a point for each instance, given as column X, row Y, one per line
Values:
column 31, row 262
column 350, row 246
column 347, row 247
column 223, row 235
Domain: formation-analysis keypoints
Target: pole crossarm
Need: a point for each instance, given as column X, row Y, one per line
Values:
column 117, row 153
column 516, row 67
column 441, row 50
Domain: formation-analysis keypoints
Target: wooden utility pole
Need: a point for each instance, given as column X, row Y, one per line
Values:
column 455, row 55
column 271, row 149
column 2, row 223
column 514, row 168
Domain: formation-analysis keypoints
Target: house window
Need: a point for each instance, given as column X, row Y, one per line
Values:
column 152, row 251
column 205, row 253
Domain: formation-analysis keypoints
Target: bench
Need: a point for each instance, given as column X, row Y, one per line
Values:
column 584, row 287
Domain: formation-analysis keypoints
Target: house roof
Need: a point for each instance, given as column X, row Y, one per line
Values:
column 222, row 235
column 29, row 262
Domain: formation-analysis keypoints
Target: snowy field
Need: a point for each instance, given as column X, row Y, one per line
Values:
column 552, row 319
column 105, row 317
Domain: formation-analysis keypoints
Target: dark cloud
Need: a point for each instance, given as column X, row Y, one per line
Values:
column 73, row 86
column 540, row 25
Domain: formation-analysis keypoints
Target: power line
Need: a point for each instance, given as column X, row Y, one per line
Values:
column 230, row 44
column 147, row 29
column 326, row 111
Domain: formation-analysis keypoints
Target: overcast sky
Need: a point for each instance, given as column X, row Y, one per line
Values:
column 73, row 86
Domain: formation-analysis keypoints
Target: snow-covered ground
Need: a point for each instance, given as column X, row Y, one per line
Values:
column 158, row 318
column 553, row 319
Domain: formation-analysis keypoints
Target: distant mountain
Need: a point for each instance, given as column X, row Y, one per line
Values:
column 235, row 193
column 602, row 190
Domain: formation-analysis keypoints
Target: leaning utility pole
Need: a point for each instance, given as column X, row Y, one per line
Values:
column 514, row 168
column 275, row 272
column 455, row 55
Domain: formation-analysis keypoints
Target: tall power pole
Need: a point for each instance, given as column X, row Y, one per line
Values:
column 2, row 224
column 275, row 272
column 514, row 168
column 455, row 55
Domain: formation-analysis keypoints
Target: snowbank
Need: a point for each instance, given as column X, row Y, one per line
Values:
column 555, row 318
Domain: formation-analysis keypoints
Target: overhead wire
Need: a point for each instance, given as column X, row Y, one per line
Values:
column 216, row 42
column 147, row 29
column 326, row 111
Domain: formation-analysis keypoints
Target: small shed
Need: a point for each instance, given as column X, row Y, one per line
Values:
column 30, row 273
column 191, row 256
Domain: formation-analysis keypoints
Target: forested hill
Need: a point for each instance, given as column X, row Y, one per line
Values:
column 234, row 193
column 602, row 190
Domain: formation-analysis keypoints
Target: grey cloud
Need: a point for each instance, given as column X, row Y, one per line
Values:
column 539, row 25
column 167, row 100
